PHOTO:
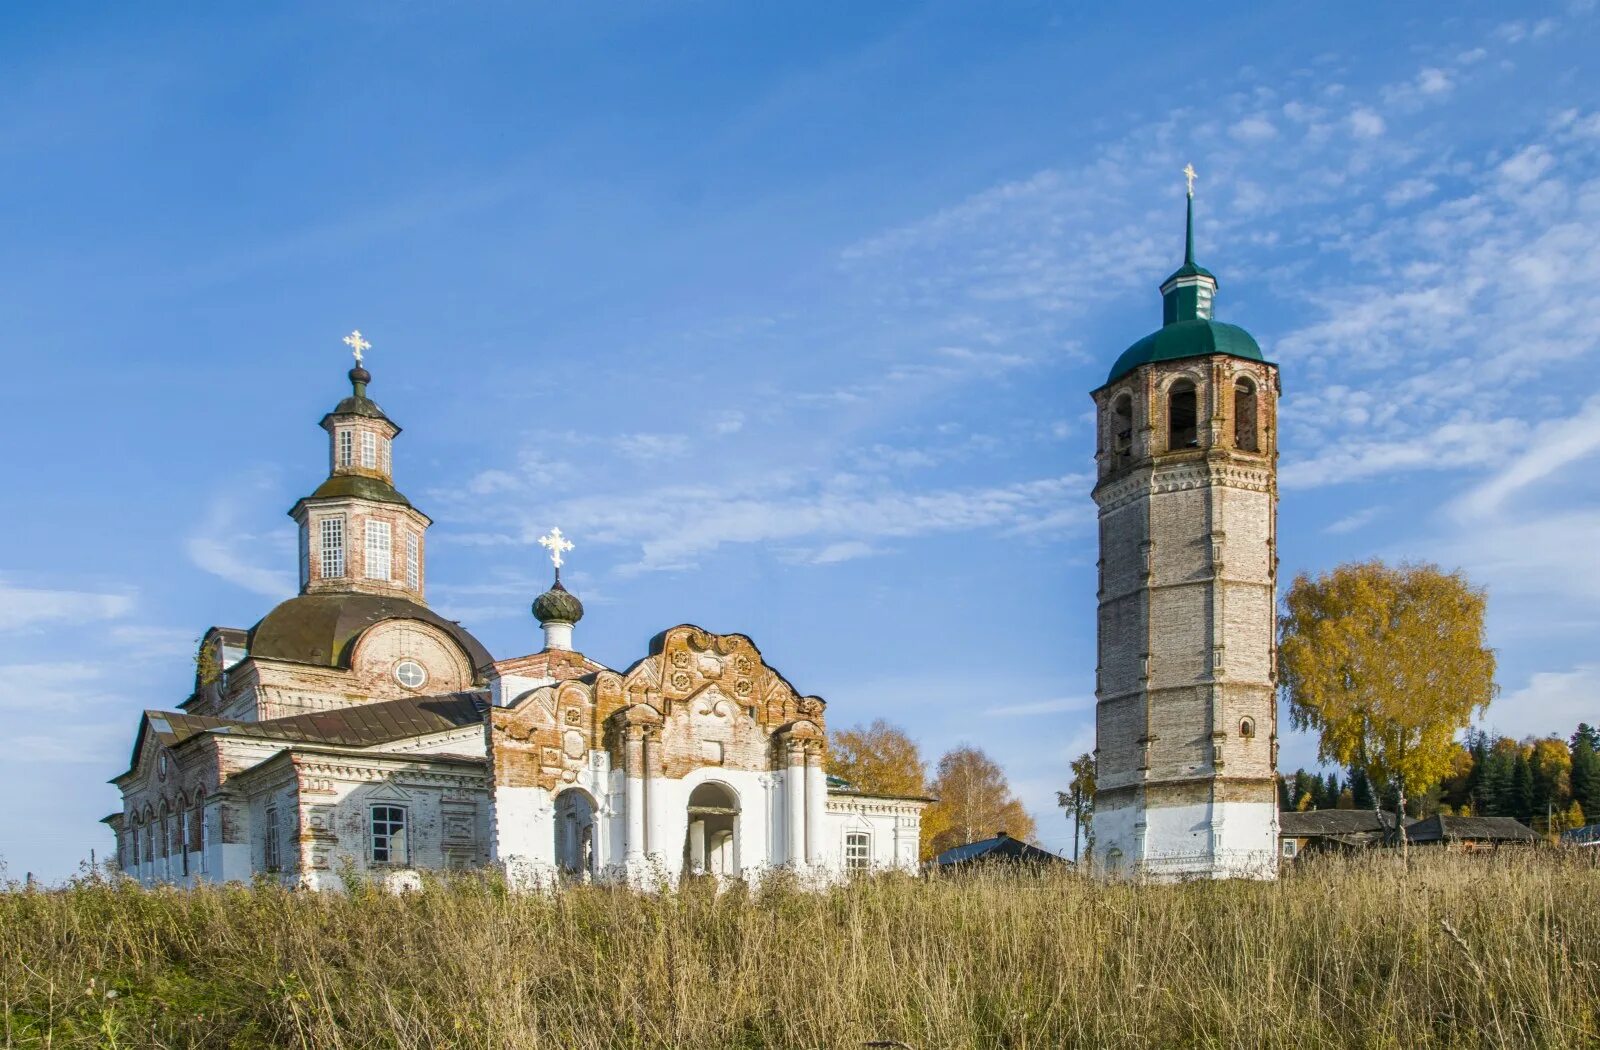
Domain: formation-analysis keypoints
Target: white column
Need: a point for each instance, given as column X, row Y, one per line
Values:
column 697, row 846
column 816, row 799
column 648, row 751
column 794, row 777
column 633, row 795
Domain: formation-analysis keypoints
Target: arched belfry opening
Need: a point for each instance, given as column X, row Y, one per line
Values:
column 1182, row 416
column 711, row 842
column 1245, row 429
column 1122, row 432
column 575, row 853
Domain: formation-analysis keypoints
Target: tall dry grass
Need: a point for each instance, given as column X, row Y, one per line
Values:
column 1460, row 951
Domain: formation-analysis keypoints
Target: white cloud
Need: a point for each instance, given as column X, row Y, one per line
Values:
column 59, row 686
column 27, row 607
column 1352, row 522
column 1550, row 702
column 1408, row 191
column 673, row 526
column 225, row 545
column 1366, row 123
column 1434, row 82
column 848, row 550
column 1041, row 707
column 652, row 447
column 1552, row 447
column 1254, row 128
column 1527, row 165
column 725, row 423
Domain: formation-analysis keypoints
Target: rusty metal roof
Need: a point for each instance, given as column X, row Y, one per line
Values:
column 365, row 725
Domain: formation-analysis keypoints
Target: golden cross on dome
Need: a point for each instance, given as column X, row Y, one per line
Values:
column 556, row 544
column 357, row 344
column 1189, row 175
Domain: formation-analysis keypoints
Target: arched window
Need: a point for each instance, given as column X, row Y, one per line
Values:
column 1247, row 728
column 1182, row 431
column 1122, row 432
column 1244, row 417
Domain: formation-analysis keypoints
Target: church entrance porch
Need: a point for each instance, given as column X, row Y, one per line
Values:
column 574, row 830
column 711, row 842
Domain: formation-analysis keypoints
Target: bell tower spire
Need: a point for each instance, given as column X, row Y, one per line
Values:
column 1188, row 294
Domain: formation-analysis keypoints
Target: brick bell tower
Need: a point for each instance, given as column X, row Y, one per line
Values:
column 358, row 534
column 1186, row 712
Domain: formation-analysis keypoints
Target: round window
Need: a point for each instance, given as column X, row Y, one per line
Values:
column 410, row 674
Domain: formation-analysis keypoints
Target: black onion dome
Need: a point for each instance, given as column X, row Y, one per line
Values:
column 557, row 605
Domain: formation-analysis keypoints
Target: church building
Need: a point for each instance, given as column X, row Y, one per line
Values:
column 1187, row 488
column 355, row 730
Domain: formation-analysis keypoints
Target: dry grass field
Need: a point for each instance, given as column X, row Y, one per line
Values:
column 1462, row 951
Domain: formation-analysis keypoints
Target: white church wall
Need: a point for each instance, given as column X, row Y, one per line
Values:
column 892, row 826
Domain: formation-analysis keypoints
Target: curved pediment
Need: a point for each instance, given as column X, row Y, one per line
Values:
column 687, row 661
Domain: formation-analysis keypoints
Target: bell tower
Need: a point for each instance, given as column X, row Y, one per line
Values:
column 1185, row 687
column 358, row 534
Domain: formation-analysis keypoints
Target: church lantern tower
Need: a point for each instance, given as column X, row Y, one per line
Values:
column 358, row 534
column 1186, row 713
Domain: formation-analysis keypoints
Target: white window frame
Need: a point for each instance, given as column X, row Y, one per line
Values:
column 379, row 536
column 397, row 818
column 369, row 450
column 413, row 561
column 205, row 838
column 183, row 839
column 271, row 855
column 331, row 532
column 857, row 850
column 414, row 663
column 347, row 448
column 137, row 860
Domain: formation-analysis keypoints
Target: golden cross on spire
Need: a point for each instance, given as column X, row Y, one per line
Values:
column 1189, row 176
column 556, row 544
column 357, row 344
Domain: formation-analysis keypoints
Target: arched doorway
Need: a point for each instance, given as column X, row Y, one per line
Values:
column 574, row 834
column 711, row 843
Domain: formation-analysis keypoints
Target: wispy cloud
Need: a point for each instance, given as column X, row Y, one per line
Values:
column 28, row 607
column 224, row 545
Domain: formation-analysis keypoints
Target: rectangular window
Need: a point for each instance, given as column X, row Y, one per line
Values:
column 413, row 561
column 305, row 556
column 388, row 835
column 200, row 816
column 269, row 850
column 369, row 450
column 135, row 852
column 857, row 851
column 183, row 839
column 346, row 448
column 332, row 548
column 378, row 561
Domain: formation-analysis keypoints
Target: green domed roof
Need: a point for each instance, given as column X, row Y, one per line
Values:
column 1193, row 338
column 557, row 605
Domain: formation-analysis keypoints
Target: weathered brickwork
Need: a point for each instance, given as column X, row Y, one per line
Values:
column 708, row 699
column 1186, row 718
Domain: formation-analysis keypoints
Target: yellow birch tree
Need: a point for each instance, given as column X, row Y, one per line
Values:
column 1387, row 664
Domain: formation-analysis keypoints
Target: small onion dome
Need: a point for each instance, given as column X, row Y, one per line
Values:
column 557, row 605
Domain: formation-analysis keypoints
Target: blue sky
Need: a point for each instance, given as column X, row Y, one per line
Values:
column 787, row 316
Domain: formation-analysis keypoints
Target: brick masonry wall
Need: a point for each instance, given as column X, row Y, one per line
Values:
column 1187, row 619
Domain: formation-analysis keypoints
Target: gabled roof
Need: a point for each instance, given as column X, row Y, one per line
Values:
column 1440, row 828
column 365, row 725
column 1316, row 822
column 1002, row 848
